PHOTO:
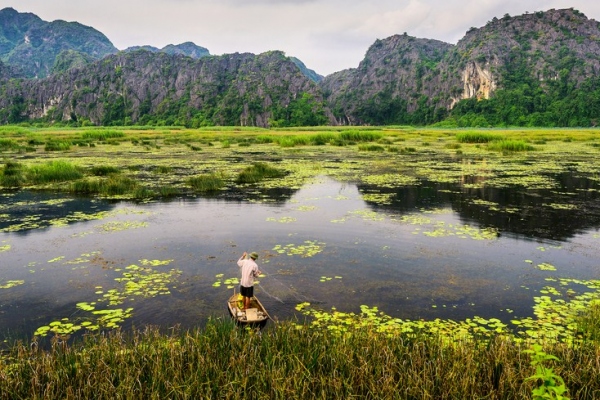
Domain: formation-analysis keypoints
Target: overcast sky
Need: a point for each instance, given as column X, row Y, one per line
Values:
column 327, row 35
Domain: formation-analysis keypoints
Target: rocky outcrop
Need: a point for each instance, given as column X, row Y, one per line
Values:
column 478, row 82
column 32, row 45
column 403, row 75
column 234, row 89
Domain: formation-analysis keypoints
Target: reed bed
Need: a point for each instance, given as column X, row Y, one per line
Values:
column 53, row 171
column 510, row 146
column 257, row 172
column 226, row 362
column 477, row 137
column 207, row 182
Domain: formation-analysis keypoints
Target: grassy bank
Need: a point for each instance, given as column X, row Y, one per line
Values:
column 283, row 362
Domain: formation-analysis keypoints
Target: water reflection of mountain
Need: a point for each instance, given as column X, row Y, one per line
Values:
column 556, row 214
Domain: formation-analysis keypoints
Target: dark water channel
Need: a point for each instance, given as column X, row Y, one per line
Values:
column 432, row 251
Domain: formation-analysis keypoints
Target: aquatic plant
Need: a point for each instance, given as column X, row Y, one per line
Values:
column 552, row 386
column 212, row 362
column 102, row 134
column 370, row 147
column 353, row 135
column 12, row 175
column 510, row 146
column 207, row 182
column 477, row 137
column 257, row 172
column 103, row 170
column 57, row 145
column 53, row 171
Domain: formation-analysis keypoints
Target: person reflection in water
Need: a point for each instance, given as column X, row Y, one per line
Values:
column 249, row 270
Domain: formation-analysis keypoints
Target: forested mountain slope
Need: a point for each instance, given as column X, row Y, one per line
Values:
column 144, row 87
column 32, row 45
column 538, row 69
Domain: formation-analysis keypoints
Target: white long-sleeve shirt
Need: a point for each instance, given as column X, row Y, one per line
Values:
column 249, row 270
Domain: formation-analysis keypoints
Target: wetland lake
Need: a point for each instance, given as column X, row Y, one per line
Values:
column 462, row 238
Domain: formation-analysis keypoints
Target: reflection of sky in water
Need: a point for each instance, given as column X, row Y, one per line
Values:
column 371, row 256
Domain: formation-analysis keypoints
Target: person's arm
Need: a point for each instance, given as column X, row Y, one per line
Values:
column 242, row 258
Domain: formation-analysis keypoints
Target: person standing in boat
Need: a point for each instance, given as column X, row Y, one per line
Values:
column 249, row 270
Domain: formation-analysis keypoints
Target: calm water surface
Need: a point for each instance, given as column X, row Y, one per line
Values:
column 433, row 251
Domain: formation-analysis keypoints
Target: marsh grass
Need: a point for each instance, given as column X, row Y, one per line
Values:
column 370, row 147
column 510, row 146
column 103, row 135
column 360, row 136
column 207, row 182
column 57, row 145
column 112, row 185
column 257, row 172
column 477, row 137
column 53, row 171
column 163, row 169
column 12, row 175
column 8, row 144
column 283, row 362
column 104, row 170
column 589, row 322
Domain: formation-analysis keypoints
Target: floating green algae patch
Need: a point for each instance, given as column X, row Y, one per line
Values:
column 379, row 198
column 230, row 283
column 282, row 220
column 546, row 267
column 390, row 180
column 11, row 283
column 556, row 315
column 443, row 229
column 135, row 282
column 309, row 248
column 117, row 226
column 35, row 222
column 4, row 247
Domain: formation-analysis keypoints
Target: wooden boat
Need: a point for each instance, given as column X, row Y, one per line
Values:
column 254, row 315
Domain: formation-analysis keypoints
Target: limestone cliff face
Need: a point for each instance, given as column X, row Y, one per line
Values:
column 234, row 89
column 404, row 79
column 478, row 82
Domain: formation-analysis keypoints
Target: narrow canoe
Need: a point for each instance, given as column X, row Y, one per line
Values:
column 254, row 315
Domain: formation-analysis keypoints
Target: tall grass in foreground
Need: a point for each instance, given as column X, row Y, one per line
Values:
column 284, row 362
